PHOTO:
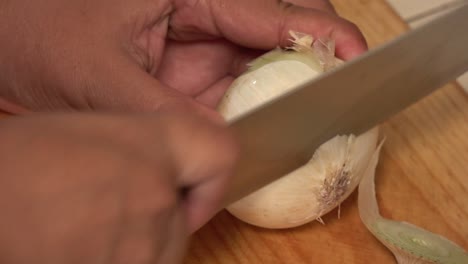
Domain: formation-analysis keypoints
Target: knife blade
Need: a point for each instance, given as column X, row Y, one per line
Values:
column 282, row 134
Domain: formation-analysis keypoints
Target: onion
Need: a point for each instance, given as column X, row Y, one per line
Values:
column 336, row 167
column 409, row 243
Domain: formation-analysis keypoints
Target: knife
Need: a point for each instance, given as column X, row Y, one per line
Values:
column 282, row 134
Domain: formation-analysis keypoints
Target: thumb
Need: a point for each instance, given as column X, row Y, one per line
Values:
column 124, row 85
column 323, row 5
column 204, row 155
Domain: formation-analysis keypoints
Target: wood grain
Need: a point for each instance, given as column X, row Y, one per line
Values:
column 422, row 178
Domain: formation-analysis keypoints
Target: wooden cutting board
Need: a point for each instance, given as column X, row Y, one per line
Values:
column 422, row 178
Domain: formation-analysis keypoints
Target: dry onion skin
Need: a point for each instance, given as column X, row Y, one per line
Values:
column 335, row 169
column 408, row 243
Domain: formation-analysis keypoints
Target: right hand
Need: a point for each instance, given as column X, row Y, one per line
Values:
column 103, row 188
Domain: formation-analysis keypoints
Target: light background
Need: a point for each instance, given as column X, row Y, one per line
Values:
column 418, row 12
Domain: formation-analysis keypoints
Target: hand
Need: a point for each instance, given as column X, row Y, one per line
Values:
column 145, row 55
column 108, row 189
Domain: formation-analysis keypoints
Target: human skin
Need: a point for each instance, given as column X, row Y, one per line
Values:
column 125, row 163
column 141, row 55
column 72, row 190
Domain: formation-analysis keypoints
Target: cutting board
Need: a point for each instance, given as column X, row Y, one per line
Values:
column 422, row 178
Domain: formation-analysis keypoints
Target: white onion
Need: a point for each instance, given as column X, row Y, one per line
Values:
column 335, row 169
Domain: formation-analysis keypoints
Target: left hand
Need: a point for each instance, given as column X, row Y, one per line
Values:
column 143, row 55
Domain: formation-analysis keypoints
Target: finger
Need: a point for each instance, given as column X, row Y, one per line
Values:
column 143, row 235
column 177, row 241
column 193, row 67
column 152, row 226
column 214, row 93
column 152, row 237
column 322, row 5
column 10, row 107
column 265, row 24
column 203, row 69
column 205, row 154
column 123, row 85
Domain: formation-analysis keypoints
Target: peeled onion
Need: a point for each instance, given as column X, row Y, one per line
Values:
column 336, row 167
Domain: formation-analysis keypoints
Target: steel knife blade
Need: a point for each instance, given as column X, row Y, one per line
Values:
column 282, row 134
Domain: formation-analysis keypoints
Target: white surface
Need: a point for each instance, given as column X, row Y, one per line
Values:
column 463, row 80
column 422, row 18
column 410, row 8
column 419, row 12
